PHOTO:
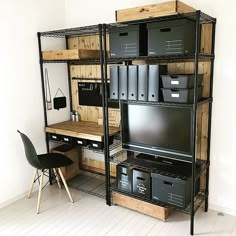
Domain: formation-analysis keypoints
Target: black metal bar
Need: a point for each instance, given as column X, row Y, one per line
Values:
column 69, row 79
column 44, row 97
column 209, row 117
column 101, row 38
column 194, row 117
column 107, row 160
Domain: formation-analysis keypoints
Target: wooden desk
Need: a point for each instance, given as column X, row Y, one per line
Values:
column 81, row 129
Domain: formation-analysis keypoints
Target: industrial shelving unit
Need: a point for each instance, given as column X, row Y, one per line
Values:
column 199, row 18
column 102, row 29
column 85, row 177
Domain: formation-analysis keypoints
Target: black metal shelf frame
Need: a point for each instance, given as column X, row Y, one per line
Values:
column 165, row 104
column 199, row 18
column 101, row 30
column 66, row 33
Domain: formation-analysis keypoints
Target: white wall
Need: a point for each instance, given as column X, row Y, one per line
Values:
column 20, row 90
column 223, row 146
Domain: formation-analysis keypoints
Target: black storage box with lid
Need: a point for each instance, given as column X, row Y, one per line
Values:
column 180, row 95
column 128, row 41
column 180, row 81
column 174, row 188
column 124, row 177
column 142, row 183
column 171, row 37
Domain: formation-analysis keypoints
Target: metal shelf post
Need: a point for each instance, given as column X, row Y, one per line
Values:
column 209, row 115
column 194, row 118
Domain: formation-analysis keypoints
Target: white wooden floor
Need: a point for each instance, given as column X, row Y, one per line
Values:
column 90, row 215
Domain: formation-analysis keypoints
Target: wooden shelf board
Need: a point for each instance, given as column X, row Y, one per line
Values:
column 82, row 129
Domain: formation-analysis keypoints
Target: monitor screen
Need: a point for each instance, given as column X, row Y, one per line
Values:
column 157, row 128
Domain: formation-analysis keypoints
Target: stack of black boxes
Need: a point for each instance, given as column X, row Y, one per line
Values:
column 142, row 82
column 162, row 180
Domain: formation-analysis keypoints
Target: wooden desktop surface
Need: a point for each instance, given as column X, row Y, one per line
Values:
column 81, row 129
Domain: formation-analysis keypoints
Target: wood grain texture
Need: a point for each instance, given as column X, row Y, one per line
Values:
column 183, row 7
column 71, row 54
column 73, row 43
column 153, row 10
column 206, row 38
column 73, row 169
column 161, row 213
column 82, row 129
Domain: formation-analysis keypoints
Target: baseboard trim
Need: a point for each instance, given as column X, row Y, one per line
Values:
column 222, row 209
column 12, row 200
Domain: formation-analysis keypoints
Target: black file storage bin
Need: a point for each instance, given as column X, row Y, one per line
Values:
column 180, row 95
column 142, row 183
column 128, row 41
column 143, row 82
column 133, row 82
column 180, row 81
column 123, row 82
column 171, row 37
column 172, row 189
column 154, row 73
column 114, row 82
column 124, row 177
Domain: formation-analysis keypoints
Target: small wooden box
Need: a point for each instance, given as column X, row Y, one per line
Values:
column 72, row 54
column 158, row 212
column 72, row 153
column 153, row 10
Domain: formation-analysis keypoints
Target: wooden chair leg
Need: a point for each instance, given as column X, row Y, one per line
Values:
column 32, row 183
column 57, row 178
column 65, row 184
column 40, row 192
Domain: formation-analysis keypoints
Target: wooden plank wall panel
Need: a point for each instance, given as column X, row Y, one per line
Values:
column 90, row 73
column 73, row 43
column 206, row 38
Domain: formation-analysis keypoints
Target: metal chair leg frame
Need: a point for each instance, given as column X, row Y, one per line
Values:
column 40, row 192
column 65, row 184
column 57, row 178
column 32, row 183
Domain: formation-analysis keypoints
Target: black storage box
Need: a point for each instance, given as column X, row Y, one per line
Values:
column 180, row 95
column 66, row 139
column 100, row 145
column 180, row 81
column 124, row 177
column 56, row 137
column 141, row 183
column 171, row 189
column 81, row 142
column 128, row 41
column 171, row 37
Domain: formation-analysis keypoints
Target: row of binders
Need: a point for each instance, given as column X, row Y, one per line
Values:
column 136, row 82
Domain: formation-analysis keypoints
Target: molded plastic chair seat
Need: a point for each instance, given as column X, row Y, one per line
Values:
column 54, row 160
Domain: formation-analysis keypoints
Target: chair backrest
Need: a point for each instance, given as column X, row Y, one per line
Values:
column 30, row 152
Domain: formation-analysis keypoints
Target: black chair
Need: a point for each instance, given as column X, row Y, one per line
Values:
column 43, row 163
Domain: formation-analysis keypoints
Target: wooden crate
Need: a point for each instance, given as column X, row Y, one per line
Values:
column 71, row 54
column 158, row 212
column 153, row 10
column 73, row 153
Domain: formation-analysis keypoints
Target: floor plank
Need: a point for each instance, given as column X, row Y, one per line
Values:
column 89, row 215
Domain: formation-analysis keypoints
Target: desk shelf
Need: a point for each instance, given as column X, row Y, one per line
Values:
column 83, row 129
